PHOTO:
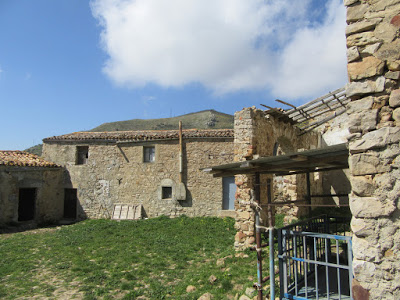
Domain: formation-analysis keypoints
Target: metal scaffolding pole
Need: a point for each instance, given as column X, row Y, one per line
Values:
column 258, row 236
column 271, row 240
column 308, row 196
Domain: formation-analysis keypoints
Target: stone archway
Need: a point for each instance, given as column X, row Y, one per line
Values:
column 260, row 135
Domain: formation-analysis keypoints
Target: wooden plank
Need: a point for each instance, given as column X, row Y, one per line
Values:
column 131, row 212
column 310, row 127
column 286, row 103
column 124, row 212
column 338, row 100
column 319, row 113
column 298, row 157
column 317, row 106
column 322, row 112
column 116, row 212
column 319, row 99
column 306, row 205
column 330, row 103
column 127, row 212
column 272, row 109
column 138, row 212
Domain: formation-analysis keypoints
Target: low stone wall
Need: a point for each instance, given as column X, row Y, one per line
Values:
column 373, row 43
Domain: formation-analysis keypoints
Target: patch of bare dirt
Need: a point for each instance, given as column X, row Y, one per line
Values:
column 10, row 231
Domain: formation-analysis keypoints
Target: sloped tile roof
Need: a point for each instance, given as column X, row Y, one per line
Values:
column 138, row 136
column 23, row 159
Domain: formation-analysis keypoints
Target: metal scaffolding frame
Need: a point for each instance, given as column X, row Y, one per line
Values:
column 315, row 259
column 314, row 113
column 324, row 159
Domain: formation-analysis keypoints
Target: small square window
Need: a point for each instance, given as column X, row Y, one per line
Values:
column 166, row 192
column 149, row 154
column 82, row 155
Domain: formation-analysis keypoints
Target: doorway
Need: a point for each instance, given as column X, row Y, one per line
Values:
column 26, row 204
column 229, row 190
column 70, row 203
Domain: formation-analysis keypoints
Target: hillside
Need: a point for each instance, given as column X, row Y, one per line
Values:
column 37, row 149
column 207, row 119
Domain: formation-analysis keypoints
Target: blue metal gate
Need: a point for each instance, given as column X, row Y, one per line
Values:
column 315, row 259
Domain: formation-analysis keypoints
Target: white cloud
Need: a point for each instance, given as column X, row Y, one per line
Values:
column 315, row 59
column 148, row 99
column 226, row 45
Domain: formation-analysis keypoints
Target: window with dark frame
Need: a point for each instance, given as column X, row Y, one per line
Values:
column 166, row 192
column 149, row 154
column 82, row 155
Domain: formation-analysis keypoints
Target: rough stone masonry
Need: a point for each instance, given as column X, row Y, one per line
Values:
column 256, row 136
column 373, row 52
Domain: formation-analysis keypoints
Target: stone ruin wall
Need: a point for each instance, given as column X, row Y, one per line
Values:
column 373, row 52
column 117, row 175
column 255, row 136
column 49, row 196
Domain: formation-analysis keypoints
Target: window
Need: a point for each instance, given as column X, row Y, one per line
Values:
column 149, row 154
column 228, row 193
column 82, row 155
column 166, row 192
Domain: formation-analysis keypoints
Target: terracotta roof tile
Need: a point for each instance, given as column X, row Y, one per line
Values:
column 23, row 159
column 144, row 135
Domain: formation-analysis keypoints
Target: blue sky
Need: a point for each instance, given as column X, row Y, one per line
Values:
column 71, row 65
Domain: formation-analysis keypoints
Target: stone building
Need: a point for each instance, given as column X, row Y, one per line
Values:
column 110, row 174
column 371, row 127
column 30, row 189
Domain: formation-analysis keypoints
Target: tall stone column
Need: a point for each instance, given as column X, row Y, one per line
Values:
column 373, row 52
column 244, row 149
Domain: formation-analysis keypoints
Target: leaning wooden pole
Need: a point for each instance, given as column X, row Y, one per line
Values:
column 180, row 152
column 257, row 199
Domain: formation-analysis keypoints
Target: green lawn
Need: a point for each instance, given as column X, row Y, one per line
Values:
column 147, row 259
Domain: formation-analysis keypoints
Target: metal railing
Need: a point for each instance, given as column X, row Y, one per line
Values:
column 315, row 259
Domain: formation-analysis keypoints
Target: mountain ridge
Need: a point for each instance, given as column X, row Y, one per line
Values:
column 205, row 119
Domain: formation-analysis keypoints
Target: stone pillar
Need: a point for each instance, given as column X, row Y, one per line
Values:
column 373, row 52
column 244, row 149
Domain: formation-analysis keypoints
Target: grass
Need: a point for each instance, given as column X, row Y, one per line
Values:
column 147, row 259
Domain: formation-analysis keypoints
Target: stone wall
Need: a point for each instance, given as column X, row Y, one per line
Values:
column 49, row 193
column 256, row 135
column 373, row 53
column 116, row 173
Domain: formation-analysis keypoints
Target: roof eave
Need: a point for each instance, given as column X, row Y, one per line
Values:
column 316, row 160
